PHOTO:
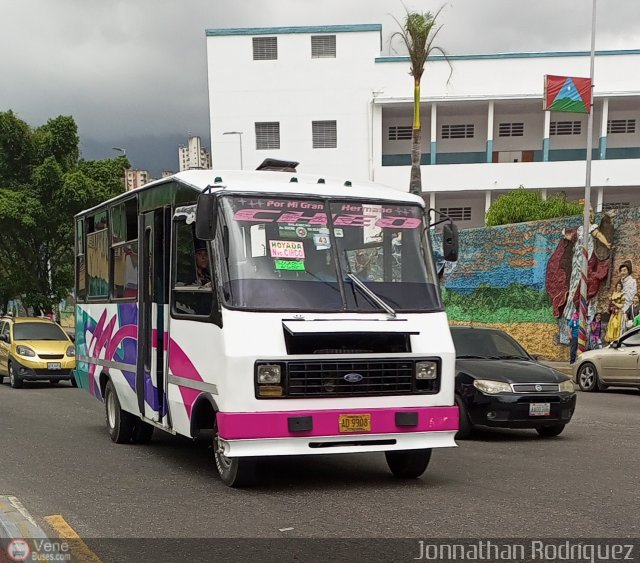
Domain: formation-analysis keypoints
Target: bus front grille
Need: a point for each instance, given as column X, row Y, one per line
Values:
column 348, row 378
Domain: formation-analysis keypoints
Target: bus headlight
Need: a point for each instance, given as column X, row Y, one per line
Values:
column 426, row 370
column 269, row 374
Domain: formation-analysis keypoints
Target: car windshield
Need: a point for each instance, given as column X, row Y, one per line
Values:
column 37, row 331
column 486, row 344
column 283, row 253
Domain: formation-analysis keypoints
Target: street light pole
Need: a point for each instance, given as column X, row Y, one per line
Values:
column 239, row 133
column 123, row 151
column 586, row 228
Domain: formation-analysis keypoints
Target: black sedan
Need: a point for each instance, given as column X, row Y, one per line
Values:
column 499, row 384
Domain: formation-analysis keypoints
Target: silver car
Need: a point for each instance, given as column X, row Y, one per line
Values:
column 616, row 365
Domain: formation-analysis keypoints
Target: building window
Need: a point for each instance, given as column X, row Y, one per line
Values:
column 565, row 128
column 267, row 135
column 511, row 130
column 457, row 213
column 459, row 131
column 325, row 134
column 400, row 132
column 323, row 46
column 621, row 126
column 265, row 48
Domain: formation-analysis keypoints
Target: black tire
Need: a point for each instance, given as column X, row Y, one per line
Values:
column 408, row 464
column 1, row 379
column 120, row 424
column 465, row 428
column 142, row 432
column 235, row 472
column 550, row 431
column 587, row 378
column 14, row 379
column 72, row 380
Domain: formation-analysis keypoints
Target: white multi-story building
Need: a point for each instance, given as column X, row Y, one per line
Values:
column 135, row 178
column 323, row 96
column 194, row 155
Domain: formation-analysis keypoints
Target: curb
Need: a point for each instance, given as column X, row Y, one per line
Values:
column 16, row 522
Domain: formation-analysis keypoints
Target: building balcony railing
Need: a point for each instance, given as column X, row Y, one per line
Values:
column 555, row 155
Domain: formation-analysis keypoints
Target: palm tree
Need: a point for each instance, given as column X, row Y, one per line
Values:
column 418, row 32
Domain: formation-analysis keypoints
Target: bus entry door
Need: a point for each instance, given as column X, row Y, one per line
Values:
column 153, row 311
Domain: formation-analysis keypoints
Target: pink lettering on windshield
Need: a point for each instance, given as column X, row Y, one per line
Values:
column 344, row 220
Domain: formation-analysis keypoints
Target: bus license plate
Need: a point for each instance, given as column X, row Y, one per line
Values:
column 355, row 423
column 539, row 409
column 53, row 365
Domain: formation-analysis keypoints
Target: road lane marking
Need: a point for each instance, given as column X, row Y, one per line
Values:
column 79, row 549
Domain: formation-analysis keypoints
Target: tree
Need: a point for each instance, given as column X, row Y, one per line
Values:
column 522, row 205
column 418, row 32
column 42, row 186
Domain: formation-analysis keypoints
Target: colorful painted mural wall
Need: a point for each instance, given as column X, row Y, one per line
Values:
column 500, row 279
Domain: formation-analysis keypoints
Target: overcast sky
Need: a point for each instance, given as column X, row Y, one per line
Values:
column 133, row 72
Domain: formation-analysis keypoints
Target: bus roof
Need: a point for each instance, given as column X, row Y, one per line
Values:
column 265, row 181
column 281, row 182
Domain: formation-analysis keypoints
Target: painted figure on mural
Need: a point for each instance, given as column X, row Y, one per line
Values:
column 595, row 332
column 629, row 284
column 616, row 305
column 565, row 265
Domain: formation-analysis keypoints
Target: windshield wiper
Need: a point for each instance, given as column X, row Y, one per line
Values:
column 362, row 287
column 510, row 357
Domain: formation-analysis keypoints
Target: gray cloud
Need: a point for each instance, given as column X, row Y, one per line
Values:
column 133, row 72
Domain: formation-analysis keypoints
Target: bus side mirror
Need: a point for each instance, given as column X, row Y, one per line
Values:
column 450, row 242
column 206, row 216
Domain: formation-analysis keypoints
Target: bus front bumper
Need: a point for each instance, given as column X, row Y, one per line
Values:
column 332, row 431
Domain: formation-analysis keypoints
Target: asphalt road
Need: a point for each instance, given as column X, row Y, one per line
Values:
column 56, row 457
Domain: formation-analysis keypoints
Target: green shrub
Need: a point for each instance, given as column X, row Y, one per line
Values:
column 522, row 205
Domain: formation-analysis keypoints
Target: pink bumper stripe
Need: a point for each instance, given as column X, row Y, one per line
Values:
column 249, row 425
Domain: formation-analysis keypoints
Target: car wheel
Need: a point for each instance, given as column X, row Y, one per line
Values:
column 408, row 464
column 72, row 380
column 1, row 379
column 14, row 379
column 465, row 428
column 120, row 424
column 142, row 432
column 550, row 431
column 588, row 378
column 235, row 472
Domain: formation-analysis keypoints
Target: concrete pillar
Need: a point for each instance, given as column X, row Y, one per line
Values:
column 603, row 129
column 600, row 199
column 545, row 140
column 434, row 132
column 432, row 203
column 490, row 114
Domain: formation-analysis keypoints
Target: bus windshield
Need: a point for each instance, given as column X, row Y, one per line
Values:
column 295, row 254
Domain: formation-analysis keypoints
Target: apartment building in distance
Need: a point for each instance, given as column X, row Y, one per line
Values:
column 135, row 178
column 194, row 155
column 326, row 97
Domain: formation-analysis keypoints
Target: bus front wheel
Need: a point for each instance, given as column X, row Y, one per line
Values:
column 408, row 464
column 234, row 471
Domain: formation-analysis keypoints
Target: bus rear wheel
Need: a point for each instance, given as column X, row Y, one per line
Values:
column 120, row 424
column 408, row 464
column 235, row 472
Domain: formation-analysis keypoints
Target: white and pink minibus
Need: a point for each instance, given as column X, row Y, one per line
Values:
column 280, row 313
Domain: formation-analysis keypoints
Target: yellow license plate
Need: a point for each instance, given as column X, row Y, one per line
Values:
column 355, row 423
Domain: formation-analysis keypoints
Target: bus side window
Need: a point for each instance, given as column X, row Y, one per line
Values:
column 190, row 299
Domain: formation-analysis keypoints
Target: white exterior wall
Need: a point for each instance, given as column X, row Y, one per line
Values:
column 366, row 94
column 293, row 90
